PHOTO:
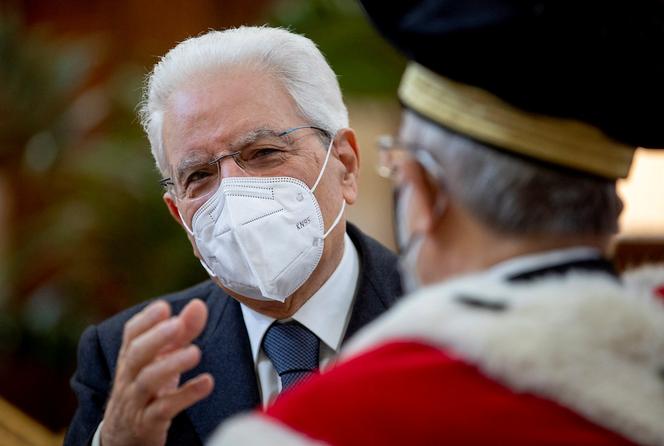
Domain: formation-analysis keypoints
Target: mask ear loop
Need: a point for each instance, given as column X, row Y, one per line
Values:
column 207, row 269
column 313, row 189
column 184, row 223
column 191, row 233
column 336, row 220
column 322, row 170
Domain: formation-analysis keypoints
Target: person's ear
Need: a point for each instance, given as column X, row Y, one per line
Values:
column 347, row 151
column 173, row 210
column 427, row 200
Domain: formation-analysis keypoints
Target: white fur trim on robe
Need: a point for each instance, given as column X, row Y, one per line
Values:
column 585, row 340
column 255, row 429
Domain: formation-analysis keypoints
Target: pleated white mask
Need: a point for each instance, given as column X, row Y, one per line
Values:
column 262, row 237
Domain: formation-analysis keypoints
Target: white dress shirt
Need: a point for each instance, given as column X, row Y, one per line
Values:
column 326, row 314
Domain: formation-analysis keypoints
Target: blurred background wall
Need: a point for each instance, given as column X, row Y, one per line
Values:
column 83, row 231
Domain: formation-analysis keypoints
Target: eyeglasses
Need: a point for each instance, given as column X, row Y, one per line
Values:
column 392, row 153
column 262, row 152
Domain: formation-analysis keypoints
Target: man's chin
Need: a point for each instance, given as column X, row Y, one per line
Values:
column 272, row 308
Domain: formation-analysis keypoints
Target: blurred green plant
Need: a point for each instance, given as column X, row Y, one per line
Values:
column 85, row 231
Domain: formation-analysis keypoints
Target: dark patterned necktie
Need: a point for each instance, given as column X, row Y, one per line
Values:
column 293, row 350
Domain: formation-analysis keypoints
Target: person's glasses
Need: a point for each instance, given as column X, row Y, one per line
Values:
column 262, row 153
column 392, row 153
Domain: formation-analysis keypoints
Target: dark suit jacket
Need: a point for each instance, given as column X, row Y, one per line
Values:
column 225, row 347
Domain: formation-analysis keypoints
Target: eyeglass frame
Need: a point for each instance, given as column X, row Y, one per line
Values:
column 390, row 143
column 422, row 156
column 168, row 181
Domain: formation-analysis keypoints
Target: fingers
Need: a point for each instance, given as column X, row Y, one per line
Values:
column 194, row 317
column 157, row 378
column 144, row 320
column 167, row 407
column 145, row 348
column 164, row 337
column 156, row 349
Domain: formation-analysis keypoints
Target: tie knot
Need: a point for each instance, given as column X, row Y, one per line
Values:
column 293, row 350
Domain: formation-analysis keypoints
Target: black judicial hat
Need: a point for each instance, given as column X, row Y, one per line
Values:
column 574, row 83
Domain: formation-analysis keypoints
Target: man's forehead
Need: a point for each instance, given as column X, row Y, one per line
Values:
column 234, row 92
column 222, row 109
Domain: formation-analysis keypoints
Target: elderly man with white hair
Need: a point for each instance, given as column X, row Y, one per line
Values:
column 250, row 133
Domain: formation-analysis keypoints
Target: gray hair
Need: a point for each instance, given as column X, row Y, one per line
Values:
column 291, row 58
column 512, row 195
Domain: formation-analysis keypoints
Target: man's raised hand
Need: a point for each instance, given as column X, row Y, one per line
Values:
column 156, row 349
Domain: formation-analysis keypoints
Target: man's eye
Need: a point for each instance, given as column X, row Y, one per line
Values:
column 263, row 152
column 196, row 176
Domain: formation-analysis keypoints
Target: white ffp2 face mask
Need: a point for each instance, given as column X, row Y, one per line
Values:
column 262, row 237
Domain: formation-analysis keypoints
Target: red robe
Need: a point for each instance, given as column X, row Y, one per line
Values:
column 592, row 377
column 409, row 393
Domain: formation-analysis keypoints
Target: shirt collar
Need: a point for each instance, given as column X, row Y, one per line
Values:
column 540, row 260
column 326, row 313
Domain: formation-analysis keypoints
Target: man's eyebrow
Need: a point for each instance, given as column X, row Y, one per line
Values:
column 194, row 159
column 251, row 137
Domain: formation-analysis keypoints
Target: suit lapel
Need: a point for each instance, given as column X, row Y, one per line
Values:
column 227, row 356
column 367, row 307
column 376, row 264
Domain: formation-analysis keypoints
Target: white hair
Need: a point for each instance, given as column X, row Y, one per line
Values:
column 291, row 58
column 514, row 195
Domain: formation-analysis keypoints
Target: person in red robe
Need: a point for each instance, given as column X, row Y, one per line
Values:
column 519, row 117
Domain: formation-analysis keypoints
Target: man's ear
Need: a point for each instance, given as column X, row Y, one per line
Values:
column 172, row 207
column 348, row 152
column 427, row 199
column 173, row 210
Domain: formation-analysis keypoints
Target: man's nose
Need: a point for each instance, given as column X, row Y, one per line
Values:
column 229, row 168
